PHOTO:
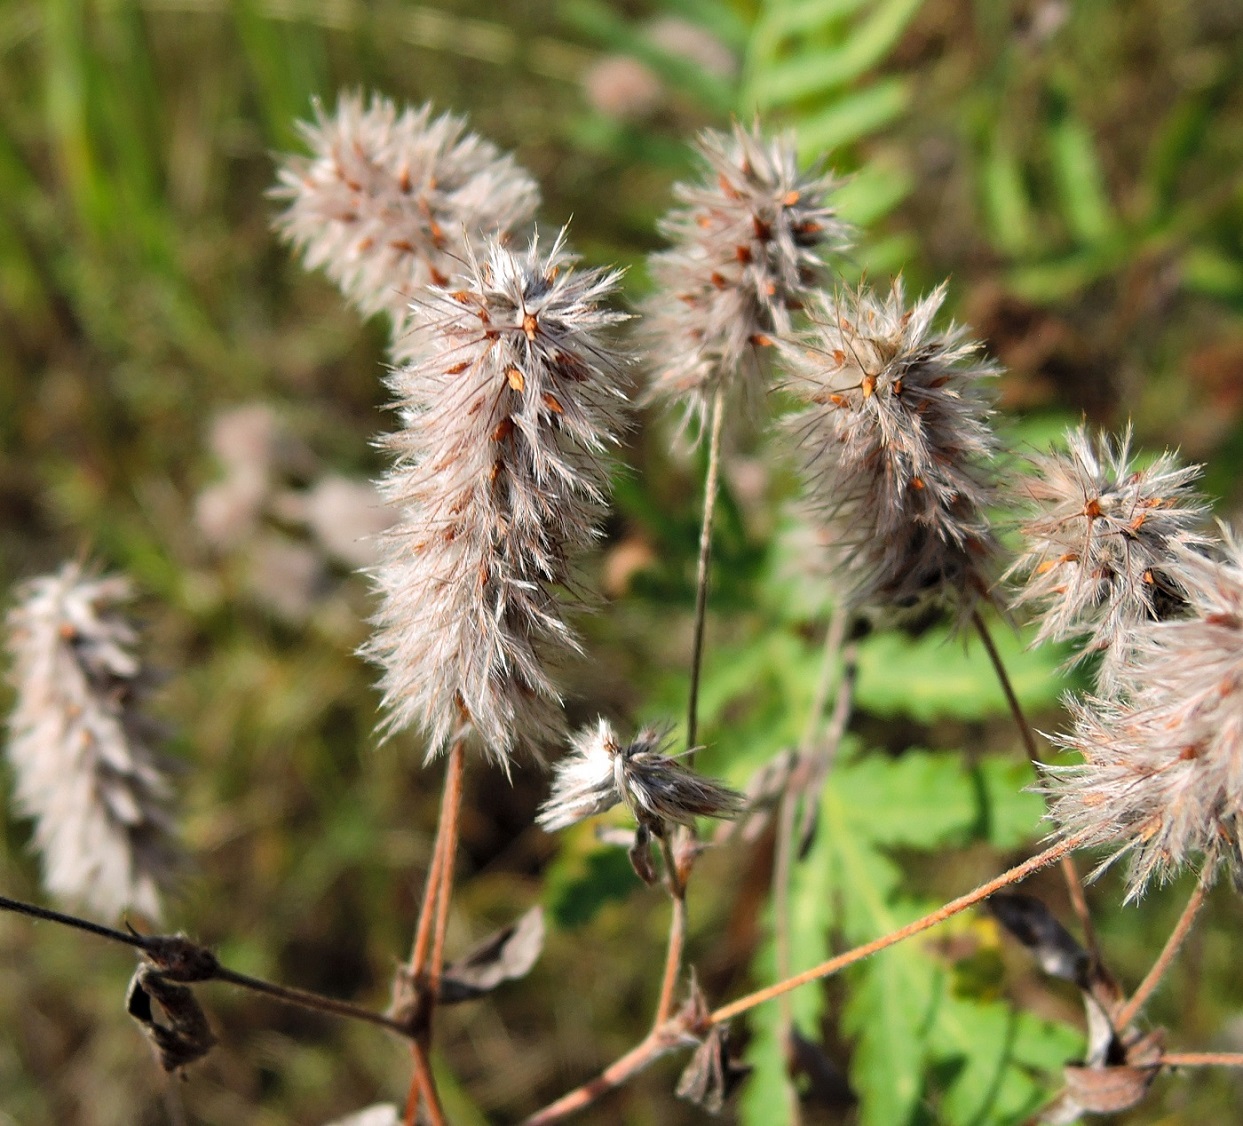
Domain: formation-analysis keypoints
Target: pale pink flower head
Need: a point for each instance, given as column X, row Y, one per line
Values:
column 1162, row 774
column 80, row 747
column 896, row 447
column 388, row 199
column 748, row 247
column 501, row 476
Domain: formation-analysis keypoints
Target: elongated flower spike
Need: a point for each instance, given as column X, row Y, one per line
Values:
column 1104, row 541
column 80, row 748
column 747, row 251
column 896, row 448
column 501, row 476
column 1162, row 776
column 388, row 199
column 601, row 772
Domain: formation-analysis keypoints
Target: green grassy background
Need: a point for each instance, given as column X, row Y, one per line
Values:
column 1081, row 184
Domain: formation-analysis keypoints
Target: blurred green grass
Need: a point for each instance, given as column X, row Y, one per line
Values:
column 1081, row 187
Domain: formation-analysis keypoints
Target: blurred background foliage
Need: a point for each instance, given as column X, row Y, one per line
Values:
column 1076, row 170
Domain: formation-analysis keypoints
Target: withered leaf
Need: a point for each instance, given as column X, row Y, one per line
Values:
column 170, row 1017
column 505, row 955
column 641, row 855
column 713, row 1074
column 1107, row 1090
column 1035, row 926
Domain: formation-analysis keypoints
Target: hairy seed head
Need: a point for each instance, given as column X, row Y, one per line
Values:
column 896, row 448
column 80, row 748
column 387, row 200
column 1162, row 772
column 1104, row 541
column 599, row 772
column 747, row 251
column 501, row 478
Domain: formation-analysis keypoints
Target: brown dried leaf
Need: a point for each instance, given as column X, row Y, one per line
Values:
column 713, row 1073
column 1107, row 1090
column 170, row 1017
column 506, row 955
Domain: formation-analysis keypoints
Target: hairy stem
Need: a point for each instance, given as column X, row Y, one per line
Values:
column 1202, row 1059
column 1070, row 873
column 1165, row 959
column 711, row 483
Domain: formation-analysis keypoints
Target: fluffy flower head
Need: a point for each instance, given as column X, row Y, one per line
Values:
column 387, row 199
column 1104, row 539
column 747, row 250
column 896, row 447
column 600, row 771
column 500, row 477
column 1162, row 776
column 79, row 747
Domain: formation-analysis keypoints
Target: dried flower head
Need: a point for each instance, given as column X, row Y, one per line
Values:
column 501, row 477
column 747, row 252
column 387, row 199
column 896, row 448
column 599, row 772
column 80, row 748
column 1104, row 538
column 1162, row 776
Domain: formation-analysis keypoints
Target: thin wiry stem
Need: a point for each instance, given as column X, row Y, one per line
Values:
column 214, row 971
column 850, row 957
column 711, row 482
column 1202, row 1059
column 674, row 1032
column 1070, row 873
column 658, row 1043
column 677, row 935
column 427, row 956
column 1173, row 944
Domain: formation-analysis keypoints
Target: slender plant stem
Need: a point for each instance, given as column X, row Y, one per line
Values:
column 711, row 483
column 1173, row 944
column 783, row 858
column 833, row 638
column 1070, row 873
column 677, row 936
column 427, row 955
column 850, row 957
column 658, row 1043
column 1202, row 1059
column 213, row 970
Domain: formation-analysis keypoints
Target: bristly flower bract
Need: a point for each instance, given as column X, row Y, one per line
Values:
column 1104, row 541
column 748, row 245
column 80, row 747
column 388, row 199
column 1162, row 776
column 501, row 477
column 896, row 449
column 660, row 792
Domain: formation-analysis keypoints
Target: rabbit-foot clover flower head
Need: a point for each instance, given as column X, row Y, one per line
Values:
column 80, row 748
column 1162, row 776
column 896, row 448
column 501, row 476
column 387, row 199
column 600, row 772
column 747, row 251
column 1104, row 540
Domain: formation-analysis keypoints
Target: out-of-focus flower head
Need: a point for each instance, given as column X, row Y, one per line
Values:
column 80, row 748
column 388, row 199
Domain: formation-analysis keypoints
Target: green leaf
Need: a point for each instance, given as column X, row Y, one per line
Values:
column 859, row 115
column 1080, row 179
column 872, row 193
column 585, row 877
column 1007, row 205
column 935, row 676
